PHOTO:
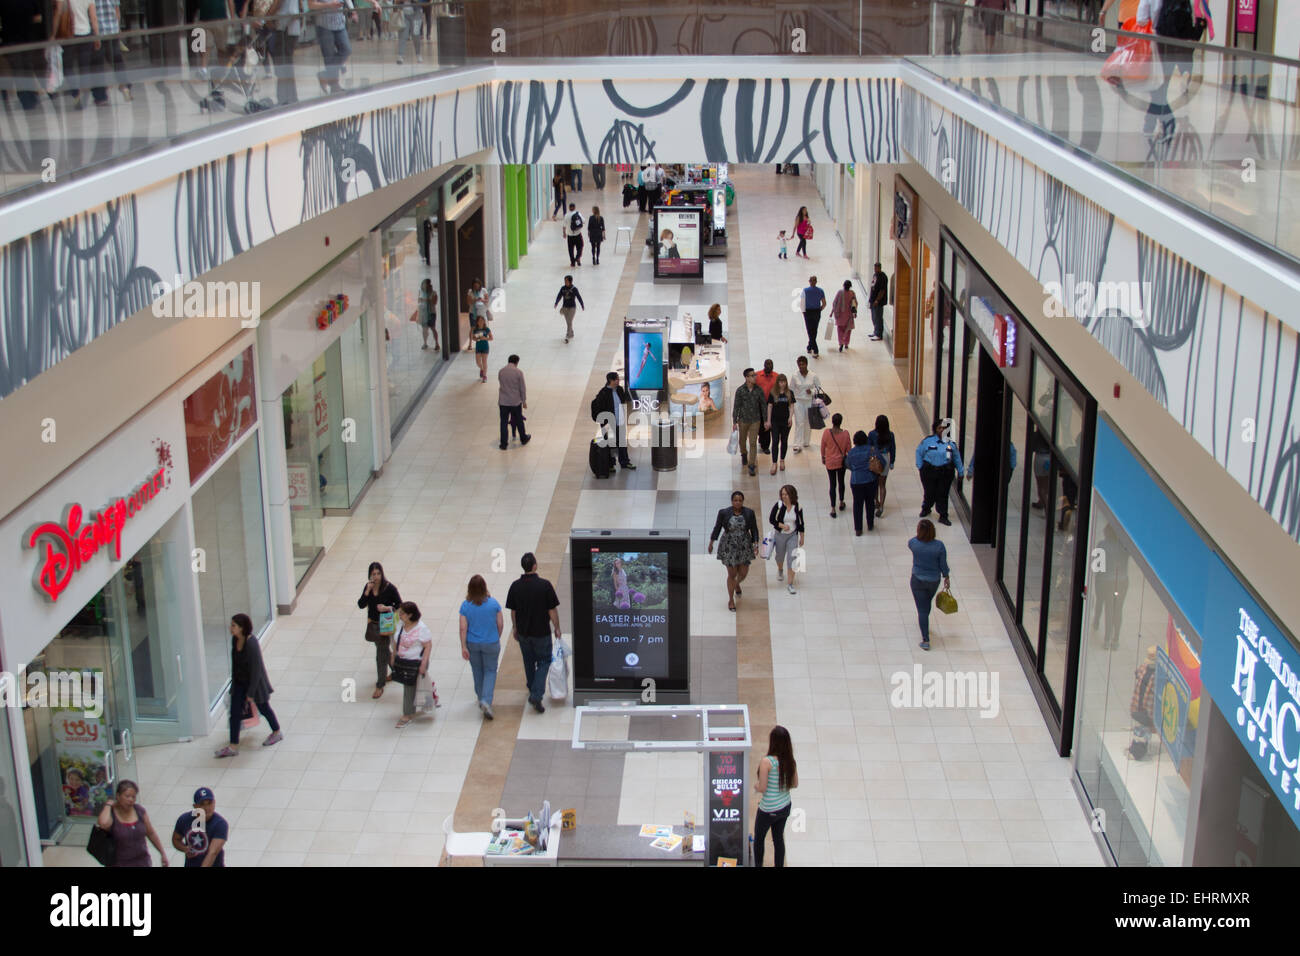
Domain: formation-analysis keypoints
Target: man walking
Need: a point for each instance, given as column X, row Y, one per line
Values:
column 654, row 180
column 571, row 298
column 575, row 177
column 766, row 379
column 608, row 409
column 512, row 399
column 332, row 35
column 748, row 408
column 876, row 298
column 939, row 461
column 573, row 231
column 531, row 602
column 203, row 843
column 814, row 300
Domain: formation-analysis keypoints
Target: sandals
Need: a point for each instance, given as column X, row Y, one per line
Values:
column 379, row 692
column 227, row 751
column 731, row 605
column 402, row 722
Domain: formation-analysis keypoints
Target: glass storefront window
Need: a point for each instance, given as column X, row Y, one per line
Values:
column 959, row 286
column 1043, row 389
column 1126, row 768
column 410, row 249
column 1069, row 427
column 1060, row 599
column 307, row 519
column 1014, row 512
column 970, row 383
column 1035, row 559
column 943, row 389
column 228, row 525
column 13, row 846
column 355, row 369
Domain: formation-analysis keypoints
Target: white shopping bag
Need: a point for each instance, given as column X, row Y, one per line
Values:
column 765, row 549
column 733, row 443
column 557, row 678
column 426, row 694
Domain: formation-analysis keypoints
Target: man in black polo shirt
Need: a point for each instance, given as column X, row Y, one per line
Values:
column 533, row 618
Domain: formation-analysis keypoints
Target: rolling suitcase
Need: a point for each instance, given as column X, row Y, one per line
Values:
column 601, row 459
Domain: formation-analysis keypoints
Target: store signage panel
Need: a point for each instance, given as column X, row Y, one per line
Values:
column 219, row 413
column 1247, row 15
column 1249, row 667
column 727, row 823
column 125, row 490
column 677, row 252
column 1000, row 331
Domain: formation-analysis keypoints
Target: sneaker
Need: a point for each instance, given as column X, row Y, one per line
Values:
column 752, row 471
column 481, row 706
column 790, row 588
column 525, row 440
column 226, row 752
column 487, row 711
column 631, row 466
column 925, row 645
column 925, row 513
column 538, row 706
column 797, row 449
column 272, row 740
column 944, row 520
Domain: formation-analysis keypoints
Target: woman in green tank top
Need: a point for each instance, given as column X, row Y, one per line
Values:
column 777, row 776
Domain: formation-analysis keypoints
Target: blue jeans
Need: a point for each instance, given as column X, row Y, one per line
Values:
column 575, row 177
column 483, row 659
column 335, row 48
column 537, row 662
column 923, row 593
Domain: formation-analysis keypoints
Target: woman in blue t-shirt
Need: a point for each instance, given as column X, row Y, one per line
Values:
column 929, row 564
column 481, row 625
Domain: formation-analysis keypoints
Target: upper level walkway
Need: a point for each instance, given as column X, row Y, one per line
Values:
column 1214, row 130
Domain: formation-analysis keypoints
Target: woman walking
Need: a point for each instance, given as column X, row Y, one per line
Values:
column 477, row 301
column 248, row 682
column 739, row 546
column 780, row 412
column 929, row 564
column 596, row 233
column 805, row 388
column 803, row 230
column 883, row 438
column 715, row 322
column 557, row 190
column 777, row 776
column 845, row 309
column 378, row 597
column 410, row 660
column 127, row 823
column 428, row 313
column 786, row 519
column 482, row 336
column 862, row 461
column 835, row 445
column 481, row 625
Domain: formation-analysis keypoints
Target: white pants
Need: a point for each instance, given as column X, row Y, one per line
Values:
column 800, row 437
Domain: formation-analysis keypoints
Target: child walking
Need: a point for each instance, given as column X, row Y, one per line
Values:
column 781, row 239
column 482, row 336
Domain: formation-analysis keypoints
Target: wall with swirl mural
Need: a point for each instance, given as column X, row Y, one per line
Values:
column 823, row 120
column 65, row 285
column 1211, row 357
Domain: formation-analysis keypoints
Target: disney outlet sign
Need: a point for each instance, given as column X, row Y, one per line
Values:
column 64, row 548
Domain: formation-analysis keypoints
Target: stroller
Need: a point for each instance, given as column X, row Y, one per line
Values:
column 629, row 194
column 246, row 63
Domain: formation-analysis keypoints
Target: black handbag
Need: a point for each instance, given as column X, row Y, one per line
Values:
column 816, row 419
column 372, row 632
column 406, row 672
column 825, row 399
column 101, row 846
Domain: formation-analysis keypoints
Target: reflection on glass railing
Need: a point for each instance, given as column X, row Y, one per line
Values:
column 1213, row 127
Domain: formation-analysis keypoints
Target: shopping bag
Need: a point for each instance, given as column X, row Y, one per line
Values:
column 945, row 602
column 251, row 716
column 765, row 549
column 733, row 443
column 830, row 330
column 387, row 623
column 426, row 694
column 53, row 68
column 557, row 678
column 1131, row 60
column 816, row 415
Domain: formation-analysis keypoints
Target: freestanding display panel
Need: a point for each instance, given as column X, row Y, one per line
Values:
column 677, row 251
column 631, row 615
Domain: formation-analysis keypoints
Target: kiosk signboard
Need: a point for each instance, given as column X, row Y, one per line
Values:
column 726, row 808
column 631, row 594
column 677, row 242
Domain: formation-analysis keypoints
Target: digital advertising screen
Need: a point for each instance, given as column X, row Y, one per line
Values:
column 631, row 611
column 677, row 242
column 644, row 361
column 629, row 601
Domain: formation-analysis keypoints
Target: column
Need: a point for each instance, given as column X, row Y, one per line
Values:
column 275, row 471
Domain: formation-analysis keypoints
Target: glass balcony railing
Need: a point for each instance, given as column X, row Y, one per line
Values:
column 1214, row 128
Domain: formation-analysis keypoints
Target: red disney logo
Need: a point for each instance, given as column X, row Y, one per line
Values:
column 71, row 545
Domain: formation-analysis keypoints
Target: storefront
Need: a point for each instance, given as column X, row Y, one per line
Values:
column 1024, row 427
column 126, row 570
column 464, row 257
column 316, row 357
column 1186, row 744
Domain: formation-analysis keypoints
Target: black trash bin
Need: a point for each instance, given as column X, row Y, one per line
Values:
column 663, row 445
column 451, row 41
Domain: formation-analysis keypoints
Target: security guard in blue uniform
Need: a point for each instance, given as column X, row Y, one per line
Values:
column 939, row 462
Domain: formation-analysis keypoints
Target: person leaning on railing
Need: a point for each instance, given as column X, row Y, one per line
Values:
column 332, row 35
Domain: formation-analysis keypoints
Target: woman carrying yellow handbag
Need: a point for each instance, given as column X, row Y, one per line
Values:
column 929, row 564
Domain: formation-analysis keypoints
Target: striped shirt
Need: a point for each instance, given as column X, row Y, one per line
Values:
column 774, row 798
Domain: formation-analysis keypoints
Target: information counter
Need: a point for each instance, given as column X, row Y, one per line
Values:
column 516, row 854
column 620, row 846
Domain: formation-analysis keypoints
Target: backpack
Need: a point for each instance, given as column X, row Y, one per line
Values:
column 1177, row 21
column 575, row 221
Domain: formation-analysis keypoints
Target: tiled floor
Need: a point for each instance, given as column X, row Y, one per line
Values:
column 918, row 786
